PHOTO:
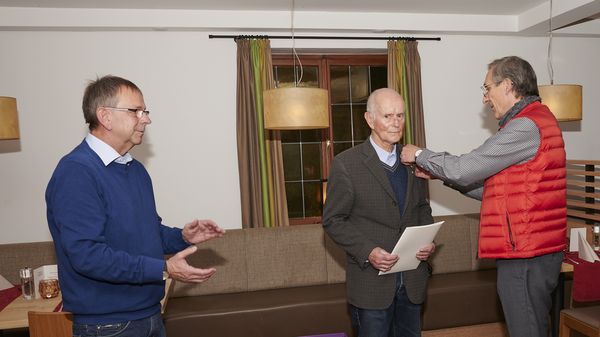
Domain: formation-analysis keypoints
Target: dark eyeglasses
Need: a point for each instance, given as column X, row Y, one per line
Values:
column 485, row 89
column 138, row 112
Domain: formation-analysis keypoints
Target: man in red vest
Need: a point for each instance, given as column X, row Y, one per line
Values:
column 519, row 175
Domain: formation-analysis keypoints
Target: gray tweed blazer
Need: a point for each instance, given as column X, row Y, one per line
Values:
column 361, row 213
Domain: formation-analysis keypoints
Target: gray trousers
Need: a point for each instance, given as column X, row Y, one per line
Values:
column 525, row 288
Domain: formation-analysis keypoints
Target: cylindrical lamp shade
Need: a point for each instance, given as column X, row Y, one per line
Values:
column 296, row 108
column 9, row 121
column 564, row 100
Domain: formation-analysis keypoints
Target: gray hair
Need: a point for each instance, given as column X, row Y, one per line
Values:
column 103, row 91
column 518, row 71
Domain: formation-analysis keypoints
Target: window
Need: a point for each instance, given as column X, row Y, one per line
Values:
column 307, row 154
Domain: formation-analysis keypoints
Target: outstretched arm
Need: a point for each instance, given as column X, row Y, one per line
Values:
column 199, row 231
column 180, row 270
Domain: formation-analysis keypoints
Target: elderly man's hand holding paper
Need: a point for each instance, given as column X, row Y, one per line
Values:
column 413, row 246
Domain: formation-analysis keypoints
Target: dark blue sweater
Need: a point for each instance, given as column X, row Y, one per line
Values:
column 109, row 240
column 399, row 180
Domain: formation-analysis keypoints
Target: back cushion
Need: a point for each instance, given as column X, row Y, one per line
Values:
column 228, row 256
column 456, row 245
column 285, row 257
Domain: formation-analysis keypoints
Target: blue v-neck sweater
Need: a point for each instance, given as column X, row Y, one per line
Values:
column 109, row 240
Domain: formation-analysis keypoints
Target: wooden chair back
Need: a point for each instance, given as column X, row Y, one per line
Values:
column 50, row 324
column 585, row 320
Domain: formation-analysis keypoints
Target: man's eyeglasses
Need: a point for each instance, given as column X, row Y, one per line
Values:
column 138, row 112
column 485, row 89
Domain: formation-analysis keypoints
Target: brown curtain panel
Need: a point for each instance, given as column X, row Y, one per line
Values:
column 247, row 138
column 260, row 163
column 404, row 76
column 415, row 92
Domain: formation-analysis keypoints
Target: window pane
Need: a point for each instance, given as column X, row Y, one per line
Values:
column 340, row 84
column 341, row 147
column 296, row 136
column 284, row 76
column 313, row 198
column 290, row 136
column 378, row 78
column 311, row 156
column 359, row 80
column 291, row 162
column 308, row 76
column 314, row 135
column 360, row 126
column 293, row 192
column 342, row 123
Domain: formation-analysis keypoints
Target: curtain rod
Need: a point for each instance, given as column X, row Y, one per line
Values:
column 236, row 37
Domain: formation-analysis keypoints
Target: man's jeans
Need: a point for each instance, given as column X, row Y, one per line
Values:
column 401, row 319
column 145, row 327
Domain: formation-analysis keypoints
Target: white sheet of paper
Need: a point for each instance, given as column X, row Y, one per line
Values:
column 409, row 244
column 4, row 284
column 585, row 251
column 574, row 238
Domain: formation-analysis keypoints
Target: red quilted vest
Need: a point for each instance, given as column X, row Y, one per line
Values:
column 523, row 209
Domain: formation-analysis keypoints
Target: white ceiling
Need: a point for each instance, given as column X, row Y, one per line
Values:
column 504, row 7
column 516, row 17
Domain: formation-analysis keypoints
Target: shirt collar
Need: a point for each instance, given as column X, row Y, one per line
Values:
column 388, row 158
column 106, row 153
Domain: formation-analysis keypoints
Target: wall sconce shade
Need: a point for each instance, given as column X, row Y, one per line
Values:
column 296, row 108
column 564, row 100
column 9, row 120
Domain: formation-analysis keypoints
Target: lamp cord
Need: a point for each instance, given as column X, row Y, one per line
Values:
column 294, row 54
column 550, row 69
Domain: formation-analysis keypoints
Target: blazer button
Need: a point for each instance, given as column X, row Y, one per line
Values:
column 394, row 203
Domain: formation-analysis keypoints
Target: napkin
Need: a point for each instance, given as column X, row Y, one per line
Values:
column 574, row 238
column 4, row 284
column 586, row 252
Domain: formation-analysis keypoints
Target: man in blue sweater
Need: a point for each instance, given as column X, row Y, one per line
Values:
column 110, row 242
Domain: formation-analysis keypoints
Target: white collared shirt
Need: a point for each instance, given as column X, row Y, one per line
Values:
column 106, row 153
column 388, row 158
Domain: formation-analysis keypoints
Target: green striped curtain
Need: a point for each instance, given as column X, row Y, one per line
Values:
column 257, row 57
column 404, row 76
column 259, row 151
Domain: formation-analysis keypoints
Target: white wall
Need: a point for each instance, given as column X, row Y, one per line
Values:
column 189, row 85
column 456, row 120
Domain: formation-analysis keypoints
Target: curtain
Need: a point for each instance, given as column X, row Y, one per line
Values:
column 260, row 163
column 404, row 76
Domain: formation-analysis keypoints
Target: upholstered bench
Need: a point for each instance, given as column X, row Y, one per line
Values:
column 290, row 281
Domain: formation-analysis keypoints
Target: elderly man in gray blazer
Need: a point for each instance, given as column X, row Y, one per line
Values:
column 371, row 199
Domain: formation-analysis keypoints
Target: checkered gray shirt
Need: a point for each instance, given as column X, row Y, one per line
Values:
column 516, row 143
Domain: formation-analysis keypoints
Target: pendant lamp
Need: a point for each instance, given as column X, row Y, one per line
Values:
column 9, row 120
column 564, row 100
column 297, row 107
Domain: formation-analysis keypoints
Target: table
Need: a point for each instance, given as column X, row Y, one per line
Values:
column 15, row 314
column 566, row 268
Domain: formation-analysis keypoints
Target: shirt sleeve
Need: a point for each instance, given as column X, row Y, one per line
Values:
column 516, row 143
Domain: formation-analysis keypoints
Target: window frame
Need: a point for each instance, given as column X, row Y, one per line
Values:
column 323, row 62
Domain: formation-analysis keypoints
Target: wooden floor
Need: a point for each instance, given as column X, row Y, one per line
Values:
column 482, row 330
